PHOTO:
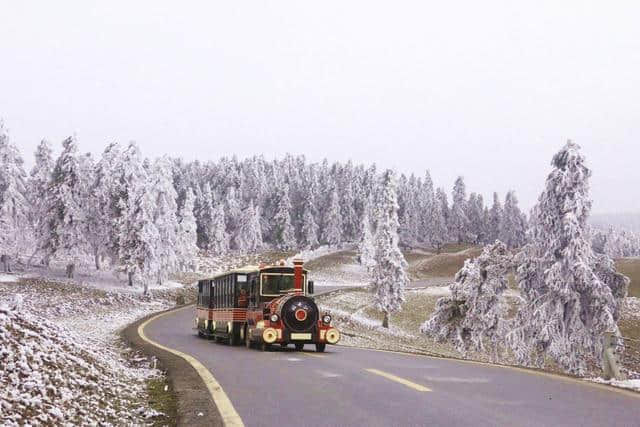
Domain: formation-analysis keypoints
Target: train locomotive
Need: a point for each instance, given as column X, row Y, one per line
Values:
column 263, row 306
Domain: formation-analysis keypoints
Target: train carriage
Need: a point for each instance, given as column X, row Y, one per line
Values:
column 263, row 305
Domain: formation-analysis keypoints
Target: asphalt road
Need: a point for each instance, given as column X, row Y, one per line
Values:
column 355, row 387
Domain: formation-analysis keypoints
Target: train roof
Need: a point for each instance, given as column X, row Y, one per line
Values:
column 247, row 269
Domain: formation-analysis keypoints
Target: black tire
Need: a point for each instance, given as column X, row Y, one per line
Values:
column 299, row 346
column 200, row 334
column 232, row 339
column 265, row 347
column 247, row 338
column 320, row 347
column 284, row 345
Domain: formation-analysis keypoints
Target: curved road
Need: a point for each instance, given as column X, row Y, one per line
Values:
column 356, row 387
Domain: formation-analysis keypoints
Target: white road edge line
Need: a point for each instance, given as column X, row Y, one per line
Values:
column 228, row 413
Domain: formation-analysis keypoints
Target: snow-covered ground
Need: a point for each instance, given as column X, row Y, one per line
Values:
column 61, row 360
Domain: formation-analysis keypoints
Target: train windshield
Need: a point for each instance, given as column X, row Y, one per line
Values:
column 276, row 284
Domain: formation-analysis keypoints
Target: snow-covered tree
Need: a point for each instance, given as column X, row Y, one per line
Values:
column 14, row 205
column 474, row 314
column 164, row 215
column 366, row 246
column 513, row 224
column 440, row 230
column 458, row 220
column 495, row 218
column 217, row 234
column 38, row 187
column 186, row 247
column 309, row 230
column 283, row 232
column 141, row 246
column 332, row 224
column 568, row 303
column 107, row 190
column 249, row 235
column 66, row 216
column 389, row 277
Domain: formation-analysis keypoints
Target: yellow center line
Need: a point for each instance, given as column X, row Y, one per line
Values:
column 313, row 354
column 402, row 381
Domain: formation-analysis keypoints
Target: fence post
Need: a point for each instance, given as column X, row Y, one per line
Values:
column 610, row 366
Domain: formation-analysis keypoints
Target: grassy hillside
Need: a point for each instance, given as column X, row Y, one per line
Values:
column 630, row 267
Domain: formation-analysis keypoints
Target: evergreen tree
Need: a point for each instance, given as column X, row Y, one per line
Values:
column 283, row 232
column 218, row 237
column 164, row 216
column 249, row 234
column 38, row 186
column 388, row 274
column 495, row 218
column 66, row 215
column 331, row 232
column 513, row 225
column 14, row 206
column 309, row 231
column 106, row 188
column 458, row 220
column 568, row 303
column 366, row 247
column 474, row 314
column 186, row 238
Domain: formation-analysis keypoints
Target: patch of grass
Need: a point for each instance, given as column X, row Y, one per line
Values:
column 162, row 401
column 443, row 265
column 331, row 260
column 630, row 267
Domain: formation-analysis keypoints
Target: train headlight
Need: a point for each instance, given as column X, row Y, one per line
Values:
column 270, row 335
column 274, row 318
column 333, row 336
column 260, row 324
column 326, row 319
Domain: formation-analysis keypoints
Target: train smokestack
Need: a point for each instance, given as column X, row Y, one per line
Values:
column 297, row 274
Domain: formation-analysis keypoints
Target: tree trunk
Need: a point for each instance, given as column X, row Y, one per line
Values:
column 130, row 279
column 146, row 287
column 96, row 257
column 385, row 320
column 6, row 264
column 71, row 270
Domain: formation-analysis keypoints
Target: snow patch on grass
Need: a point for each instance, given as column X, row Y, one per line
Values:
column 8, row 278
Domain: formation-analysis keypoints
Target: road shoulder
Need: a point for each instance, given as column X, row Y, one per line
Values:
column 195, row 404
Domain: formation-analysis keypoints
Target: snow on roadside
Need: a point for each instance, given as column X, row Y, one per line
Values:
column 629, row 384
column 311, row 254
column 61, row 359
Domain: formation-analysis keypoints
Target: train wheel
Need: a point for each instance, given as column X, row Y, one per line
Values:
column 265, row 347
column 200, row 334
column 320, row 347
column 247, row 339
column 284, row 345
column 299, row 346
column 232, row 339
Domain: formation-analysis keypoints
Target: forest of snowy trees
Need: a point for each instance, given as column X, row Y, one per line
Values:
column 569, row 292
column 150, row 217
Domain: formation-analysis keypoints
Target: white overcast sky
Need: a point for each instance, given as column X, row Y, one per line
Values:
column 488, row 90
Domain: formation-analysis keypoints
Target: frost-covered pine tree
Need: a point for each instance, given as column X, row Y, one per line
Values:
column 66, row 216
column 283, row 233
column 14, row 205
column 427, row 206
column 389, row 277
column 568, row 302
column 495, row 218
column 513, row 224
column 164, row 216
column 458, row 220
column 107, row 190
column 232, row 214
column 440, row 230
column 474, row 314
column 141, row 245
column 186, row 247
column 217, row 234
column 38, row 186
column 366, row 247
column 332, row 224
column 249, row 234
column 309, row 230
